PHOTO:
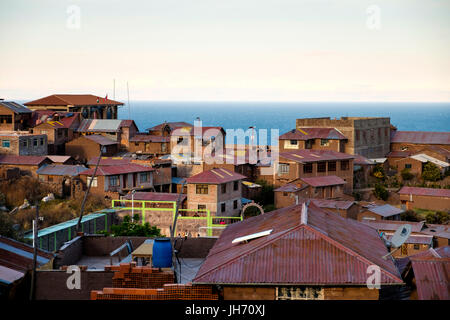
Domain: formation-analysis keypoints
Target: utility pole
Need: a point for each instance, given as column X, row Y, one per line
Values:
column 35, row 233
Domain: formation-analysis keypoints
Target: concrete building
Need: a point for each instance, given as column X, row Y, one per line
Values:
column 292, row 258
column 369, row 137
column 425, row 198
column 217, row 190
column 86, row 147
column 88, row 105
column 13, row 116
column 22, row 143
column 312, row 138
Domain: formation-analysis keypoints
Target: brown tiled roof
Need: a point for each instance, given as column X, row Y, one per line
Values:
column 326, row 250
column 22, row 160
column 215, row 176
column 113, row 170
column 421, row 137
column 432, row 192
column 304, row 155
column 324, row 181
column 313, row 133
column 72, row 99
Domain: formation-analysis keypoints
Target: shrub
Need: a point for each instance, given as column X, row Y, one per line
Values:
column 381, row 192
column 431, row 172
column 378, row 172
column 357, row 196
column 406, row 174
column 267, row 195
column 410, row 215
column 135, row 228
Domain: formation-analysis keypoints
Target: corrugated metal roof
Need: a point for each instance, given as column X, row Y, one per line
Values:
column 61, row 170
column 324, row 181
column 398, row 154
column 172, row 125
column 113, row 170
column 100, row 125
column 432, row 192
column 327, row 250
column 424, row 158
column 414, row 238
column 8, row 276
column 149, row 138
column 59, row 159
column 101, row 140
column 360, row 160
column 304, row 155
column 421, row 137
column 73, row 99
column 391, row 225
column 65, row 119
column 331, row 204
column 15, row 107
column 432, row 276
column 109, row 161
column 215, row 176
column 22, row 160
column 291, row 187
column 156, row 196
column 313, row 133
column 437, row 230
column 385, row 210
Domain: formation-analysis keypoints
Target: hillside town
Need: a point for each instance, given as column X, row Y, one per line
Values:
column 177, row 212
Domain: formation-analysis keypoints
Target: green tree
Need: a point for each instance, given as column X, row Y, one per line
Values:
column 410, row 215
column 135, row 228
column 431, row 172
column 267, row 196
column 406, row 174
column 7, row 226
column 381, row 192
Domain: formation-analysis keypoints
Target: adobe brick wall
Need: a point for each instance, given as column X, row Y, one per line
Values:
column 70, row 253
column 416, row 166
column 426, row 202
column 248, row 293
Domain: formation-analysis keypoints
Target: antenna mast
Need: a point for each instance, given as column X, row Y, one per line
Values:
column 129, row 107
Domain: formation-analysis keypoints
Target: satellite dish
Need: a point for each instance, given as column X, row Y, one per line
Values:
column 401, row 235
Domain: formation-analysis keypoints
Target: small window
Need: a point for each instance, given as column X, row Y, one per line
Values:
column 294, row 142
column 345, row 165
column 308, row 144
column 24, row 143
column 222, row 207
column 321, row 166
column 224, row 187
column 416, row 247
column 285, row 194
column 136, row 144
column 43, row 131
column 35, row 142
column 283, row 168
column 42, row 141
column 236, row 185
column 201, row 189
column 144, row 177
column 114, row 181
column 408, row 165
column 59, row 133
column 308, row 168
column 324, row 142
column 235, row 204
column 201, row 207
column 163, row 147
column 6, row 143
column 50, row 179
column 332, row 166
column 94, row 181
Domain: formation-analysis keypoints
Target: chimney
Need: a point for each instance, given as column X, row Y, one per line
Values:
column 304, row 214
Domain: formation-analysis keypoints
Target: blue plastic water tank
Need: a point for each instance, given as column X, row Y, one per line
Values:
column 162, row 253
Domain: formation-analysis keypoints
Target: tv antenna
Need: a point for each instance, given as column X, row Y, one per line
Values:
column 399, row 238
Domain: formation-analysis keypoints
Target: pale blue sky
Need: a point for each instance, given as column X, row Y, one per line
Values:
column 265, row 50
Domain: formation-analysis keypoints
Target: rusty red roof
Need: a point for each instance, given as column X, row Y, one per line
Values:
column 205, row 131
column 73, row 99
column 431, row 271
column 421, row 137
column 101, row 140
column 307, row 155
column 291, row 187
column 172, row 125
column 23, row 160
column 437, row 230
column 326, row 250
column 361, row 160
column 215, row 176
column 113, row 170
column 109, row 161
column 149, row 138
column 331, row 204
column 392, row 225
column 313, row 133
column 432, row 192
column 156, row 196
column 324, row 181
column 61, row 170
column 399, row 154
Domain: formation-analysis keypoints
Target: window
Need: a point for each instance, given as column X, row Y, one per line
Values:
column 43, row 131
column 357, row 135
column 285, row 194
column 94, row 181
column 42, row 141
column 136, row 144
column 408, row 165
column 308, row 144
column 35, row 142
column 201, row 189
column 345, row 165
column 332, row 166
column 308, row 168
column 299, row 293
column 25, row 143
column 201, row 207
column 59, row 132
column 235, row 204
column 6, row 143
column 386, row 130
column 321, row 166
column 283, row 168
column 114, row 181
column 236, row 185
column 179, row 140
column 294, row 142
column 416, row 247
column 144, row 177
column 324, row 142
column 5, row 118
column 223, row 187
column 222, row 207
column 163, row 147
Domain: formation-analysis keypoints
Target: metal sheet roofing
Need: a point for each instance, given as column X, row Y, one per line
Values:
column 391, row 225
column 332, row 204
column 313, row 133
column 172, row 125
column 72, row 99
column 61, row 170
column 385, row 210
column 100, row 125
column 8, row 276
column 109, row 161
column 215, row 176
column 101, row 140
column 59, row 159
column 360, row 160
column 432, row 192
column 326, row 250
column 324, row 181
column 437, row 230
column 149, row 138
column 424, row 158
column 15, row 107
column 307, row 155
column 113, row 170
column 156, row 196
column 291, row 187
column 65, row 119
column 421, row 137
column 22, row 160
column 414, row 238
column 398, row 154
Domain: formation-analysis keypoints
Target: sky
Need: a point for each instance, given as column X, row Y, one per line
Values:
column 227, row 50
